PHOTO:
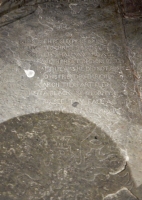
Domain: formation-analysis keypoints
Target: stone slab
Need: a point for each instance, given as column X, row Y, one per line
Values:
column 70, row 56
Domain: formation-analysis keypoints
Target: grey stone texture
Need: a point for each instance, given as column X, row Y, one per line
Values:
column 78, row 57
column 56, row 155
column 122, row 194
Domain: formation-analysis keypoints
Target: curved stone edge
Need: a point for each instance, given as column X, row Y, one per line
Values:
column 122, row 194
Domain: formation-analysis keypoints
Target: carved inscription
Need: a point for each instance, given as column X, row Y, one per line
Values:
column 66, row 55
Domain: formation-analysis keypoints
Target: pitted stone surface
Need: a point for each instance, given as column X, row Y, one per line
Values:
column 62, row 156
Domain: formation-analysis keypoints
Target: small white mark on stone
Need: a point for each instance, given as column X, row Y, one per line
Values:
column 127, row 158
column 30, row 73
column 125, row 154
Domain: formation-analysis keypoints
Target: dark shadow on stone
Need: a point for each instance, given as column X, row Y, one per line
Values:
column 54, row 155
column 131, row 8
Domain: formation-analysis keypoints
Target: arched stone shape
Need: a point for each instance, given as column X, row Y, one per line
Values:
column 54, row 155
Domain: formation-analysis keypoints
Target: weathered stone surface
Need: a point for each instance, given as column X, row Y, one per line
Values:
column 12, row 10
column 55, row 155
column 123, row 194
column 130, row 9
column 71, row 56
column 133, row 46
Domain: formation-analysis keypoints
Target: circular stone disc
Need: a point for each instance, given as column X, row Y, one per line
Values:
column 59, row 156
